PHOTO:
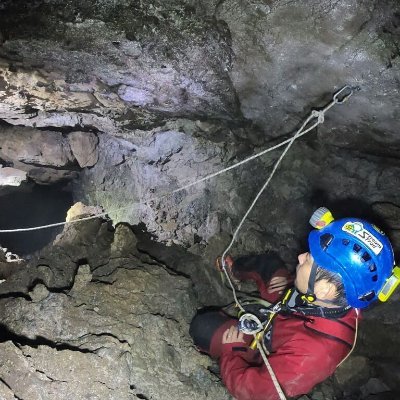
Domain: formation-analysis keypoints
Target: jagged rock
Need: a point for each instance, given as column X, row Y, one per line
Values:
column 82, row 278
column 390, row 373
column 39, row 292
column 31, row 146
column 374, row 386
column 324, row 391
column 9, row 263
column 80, row 210
column 352, row 373
column 84, row 148
column 127, row 321
column 44, row 156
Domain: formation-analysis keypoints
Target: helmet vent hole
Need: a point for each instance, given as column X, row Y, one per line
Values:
column 367, row 296
column 375, row 278
column 345, row 241
column 356, row 247
column 372, row 268
column 325, row 240
column 365, row 257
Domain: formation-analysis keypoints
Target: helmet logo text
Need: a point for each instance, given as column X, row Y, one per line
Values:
column 357, row 229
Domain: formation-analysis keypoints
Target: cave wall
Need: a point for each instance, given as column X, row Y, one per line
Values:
column 169, row 94
column 123, row 102
column 94, row 317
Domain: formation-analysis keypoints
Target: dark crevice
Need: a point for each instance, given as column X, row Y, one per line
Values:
column 161, row 264
column 9, row 387
column 51, row 289
column 39, row 206
column 122, row 341
column 35, row 282
column 15, row 295
column 7, row 335
column 101, row 282
column 142, row 396
column 70, row 167
column 69, row 129
column 164, row 316
column 81, row 261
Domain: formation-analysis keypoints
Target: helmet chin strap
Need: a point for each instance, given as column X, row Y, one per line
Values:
column 310, row 296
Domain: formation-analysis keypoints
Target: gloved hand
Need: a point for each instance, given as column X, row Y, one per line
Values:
column 279, row 284
column 229, row 268
column 228, row 262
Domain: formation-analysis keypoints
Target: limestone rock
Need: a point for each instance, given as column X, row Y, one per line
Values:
column 120, row 334
column 80, row 210
column 39, row 292
column 31, row 146
column 84, row 148
column 174, row 91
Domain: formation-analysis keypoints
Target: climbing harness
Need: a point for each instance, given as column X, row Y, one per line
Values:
column 258, row 323
column 249, row 324
column 339, row 98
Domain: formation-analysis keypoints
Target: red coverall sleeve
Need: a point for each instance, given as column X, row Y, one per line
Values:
column 298, row 370
column 261, row 269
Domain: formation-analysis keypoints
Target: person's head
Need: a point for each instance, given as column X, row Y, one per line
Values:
column 350, row 261
column 328, row 286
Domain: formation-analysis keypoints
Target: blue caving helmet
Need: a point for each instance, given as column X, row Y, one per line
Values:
column 359, row 252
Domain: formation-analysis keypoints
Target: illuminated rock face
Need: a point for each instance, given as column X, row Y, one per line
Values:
column 11, row 176
column 125, row 102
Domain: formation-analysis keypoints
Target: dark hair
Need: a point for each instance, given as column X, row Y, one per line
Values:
column 331, row 277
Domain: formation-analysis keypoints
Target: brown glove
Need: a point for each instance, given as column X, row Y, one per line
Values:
column 229, row 268
column 228, row 262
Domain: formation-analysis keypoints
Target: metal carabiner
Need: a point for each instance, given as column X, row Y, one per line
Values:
column 346, row 96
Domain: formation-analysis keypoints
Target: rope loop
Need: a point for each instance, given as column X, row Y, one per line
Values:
column 320, row 115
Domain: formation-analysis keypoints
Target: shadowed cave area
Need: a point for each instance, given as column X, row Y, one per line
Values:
column 116, row 109
column 35, row 206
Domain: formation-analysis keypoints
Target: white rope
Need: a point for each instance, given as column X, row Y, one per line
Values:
column 320, row 115
column 355, row 340
column 53, row 225
column 268, row 181
column 314, row 114
column 180, row 189
column 271, row 371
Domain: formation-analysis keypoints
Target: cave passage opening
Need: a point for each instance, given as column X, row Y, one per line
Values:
column 36, row 205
